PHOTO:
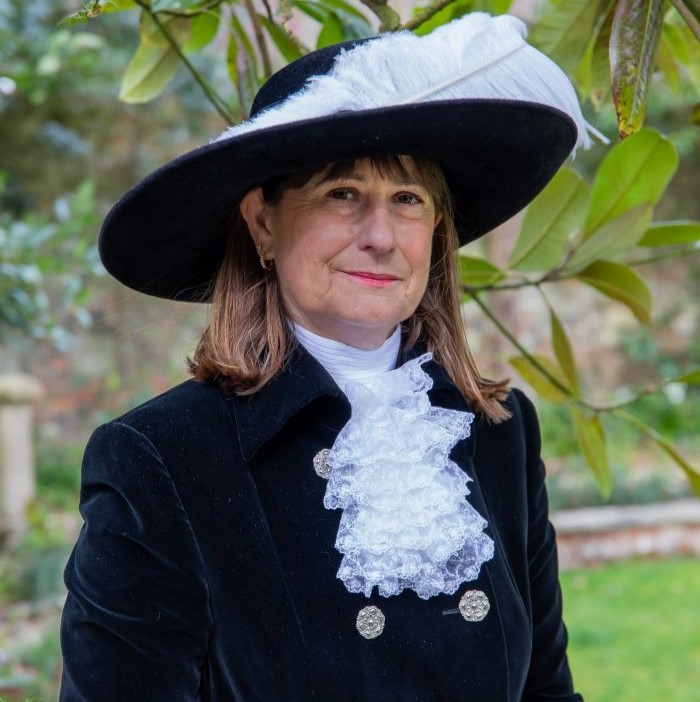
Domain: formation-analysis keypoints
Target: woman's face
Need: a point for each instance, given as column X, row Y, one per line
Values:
column 352, row 253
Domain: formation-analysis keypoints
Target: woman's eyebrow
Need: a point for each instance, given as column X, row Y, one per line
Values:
column 362, row 178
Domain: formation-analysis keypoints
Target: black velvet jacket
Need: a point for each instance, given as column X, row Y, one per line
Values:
column 206, row 569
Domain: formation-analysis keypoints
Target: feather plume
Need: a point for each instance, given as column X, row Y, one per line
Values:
column 476, row 56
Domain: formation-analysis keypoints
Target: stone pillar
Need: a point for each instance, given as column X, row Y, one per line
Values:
column 18, row 392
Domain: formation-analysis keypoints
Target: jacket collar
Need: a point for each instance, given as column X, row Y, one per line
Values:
column 262, row 416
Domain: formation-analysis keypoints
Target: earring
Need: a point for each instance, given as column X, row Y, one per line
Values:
column 264, row 263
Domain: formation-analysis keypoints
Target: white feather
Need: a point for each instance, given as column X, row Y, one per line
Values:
column 476, row 56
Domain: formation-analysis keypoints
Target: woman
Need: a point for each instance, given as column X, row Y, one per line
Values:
column 337, row 507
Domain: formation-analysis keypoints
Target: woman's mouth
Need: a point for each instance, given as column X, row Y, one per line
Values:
column 374, row 280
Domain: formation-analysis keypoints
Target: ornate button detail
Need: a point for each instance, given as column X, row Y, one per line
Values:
column 474, row 605
column 370, row 622
column 323, row 470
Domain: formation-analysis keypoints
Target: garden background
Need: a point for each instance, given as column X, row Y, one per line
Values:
column 590, row 298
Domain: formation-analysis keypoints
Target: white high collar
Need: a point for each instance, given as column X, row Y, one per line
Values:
column 344, row 362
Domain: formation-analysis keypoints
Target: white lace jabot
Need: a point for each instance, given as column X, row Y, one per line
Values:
column 406, row 522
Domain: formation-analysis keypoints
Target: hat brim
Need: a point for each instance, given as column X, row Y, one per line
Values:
column 166, row 236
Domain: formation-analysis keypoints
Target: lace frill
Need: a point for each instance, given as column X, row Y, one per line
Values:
column 406, row 521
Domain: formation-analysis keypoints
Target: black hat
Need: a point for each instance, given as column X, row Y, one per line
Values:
column 498, row 115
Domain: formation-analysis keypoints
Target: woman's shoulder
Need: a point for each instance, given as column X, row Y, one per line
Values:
column 176, row 411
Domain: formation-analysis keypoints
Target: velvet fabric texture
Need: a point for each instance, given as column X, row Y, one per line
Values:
column 206, row 568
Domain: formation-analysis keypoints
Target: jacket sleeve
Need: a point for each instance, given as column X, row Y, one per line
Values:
column 549, row 677
column 136, row 620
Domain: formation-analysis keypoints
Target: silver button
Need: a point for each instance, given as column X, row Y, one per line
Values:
column 323, row 470
column 370, row 622
column 474, row 605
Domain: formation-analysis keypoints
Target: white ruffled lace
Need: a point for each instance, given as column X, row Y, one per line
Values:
column 406, row 521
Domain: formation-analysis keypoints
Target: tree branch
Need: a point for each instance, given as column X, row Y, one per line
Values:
column 259, row 37
column 427, row 13
column 211, row 95
column 389, row 18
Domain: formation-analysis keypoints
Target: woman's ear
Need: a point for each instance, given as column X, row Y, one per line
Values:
column 255, row 212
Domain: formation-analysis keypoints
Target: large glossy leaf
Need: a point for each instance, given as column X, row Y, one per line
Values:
column 593, row 73
column 545, row 377
column 692, row 378
column 671, row 233
column 634, row 172
column 282, row 39
column 149, row 71
column 551, row 218
column 612, row 239
column 691, row 472
column 591, row 439
column 451, row 11
column 689, row 10
column 331, row 31
column 343, row 7
column 564, row 31
column 476, row 272
column 563, row 351
column 668, row 64
column 118, row 5
column 175, row 5
column 621, row 283
column 634, row 41
column 204, row 29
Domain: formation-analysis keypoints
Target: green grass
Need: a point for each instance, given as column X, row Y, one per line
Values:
column 634, row 631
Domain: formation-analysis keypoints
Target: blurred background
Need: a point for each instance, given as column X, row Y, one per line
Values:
column 77, row 349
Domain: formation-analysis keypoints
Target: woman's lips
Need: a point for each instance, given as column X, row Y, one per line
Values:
column 374, row 280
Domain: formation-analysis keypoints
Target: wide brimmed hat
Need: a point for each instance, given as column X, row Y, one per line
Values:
column 497, row 114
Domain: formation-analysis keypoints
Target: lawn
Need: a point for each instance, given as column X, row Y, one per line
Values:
column 634, row 631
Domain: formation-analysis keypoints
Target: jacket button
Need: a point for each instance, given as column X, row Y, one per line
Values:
column 474, row 605
column 323, row 470
column 370, row 622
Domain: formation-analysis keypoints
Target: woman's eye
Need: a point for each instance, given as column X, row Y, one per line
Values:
column 342, row 194
column 408, row 199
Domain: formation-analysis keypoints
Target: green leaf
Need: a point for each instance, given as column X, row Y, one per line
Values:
column 563, row 351
column 451, row 11
column 476, row 272
column 118, row 6
column 593, row 73
column 671, row 233
column 634, row 41
column 312, row 9
column 148, row 72
column 667, row 63
column 544, row 376
column 613, row 239
column 563, row 32
column 281, row 39
column 591, row 438
column 179, row 28
column 621, row 283
column 175, row 5
column 331, row 31
column 204, row 29
column 692, row 473
column 343, row 8
column 689, row 10
column 692, row 378
column 556, row 213
column 636, row 171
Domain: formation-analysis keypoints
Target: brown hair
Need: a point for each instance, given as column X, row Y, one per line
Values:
column 248, row 339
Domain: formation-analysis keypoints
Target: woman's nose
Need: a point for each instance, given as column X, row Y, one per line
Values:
column 376, row 228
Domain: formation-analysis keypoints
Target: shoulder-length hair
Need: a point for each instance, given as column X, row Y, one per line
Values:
column 249, row 340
